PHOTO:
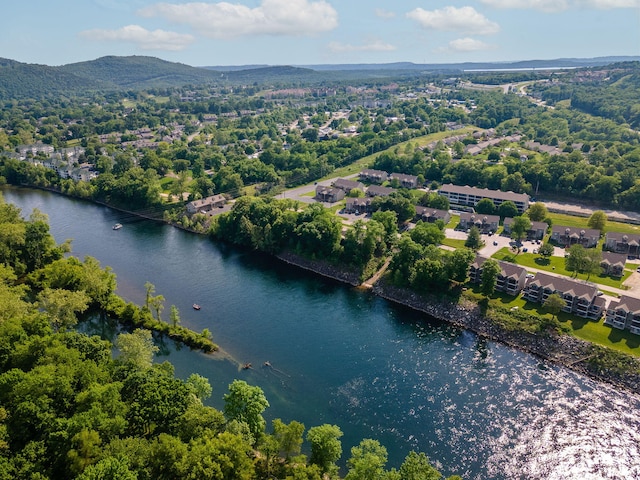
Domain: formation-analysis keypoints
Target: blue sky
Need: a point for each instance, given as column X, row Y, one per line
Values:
column 305, row 32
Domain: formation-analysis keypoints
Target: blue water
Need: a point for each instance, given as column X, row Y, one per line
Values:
column 343, row 356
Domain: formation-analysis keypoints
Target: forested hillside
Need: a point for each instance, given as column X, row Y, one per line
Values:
column 612, row 93
column 21, row 80
column 138, row 72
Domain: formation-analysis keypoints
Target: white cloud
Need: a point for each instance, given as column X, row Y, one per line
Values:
column 465, row 19
column 384, row 13
column 610, row 4
column 376, row 46
column 468, row 45
column 543, row 5
column 562, row 5
column 271, row 17
column 145, row 39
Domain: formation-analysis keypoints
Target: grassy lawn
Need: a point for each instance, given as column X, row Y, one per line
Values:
column 555, row 265
column 601, row 334
column 453, row 223
column 165, row 183
column 452, row 242
column 594, row 332
column 337, row 207
column 581, row 222
column 250, row 190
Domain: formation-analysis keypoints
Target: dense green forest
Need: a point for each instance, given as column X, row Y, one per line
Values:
column 69, row 409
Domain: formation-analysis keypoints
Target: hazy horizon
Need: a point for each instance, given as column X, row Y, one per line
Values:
column 319, row 32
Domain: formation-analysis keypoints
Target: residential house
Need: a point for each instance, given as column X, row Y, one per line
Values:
column 567, row 236
column 473, row 149
column 470, row 196
column 34, row 149
column 84, row 172
column 536, row 232
column 379, row 191
column 581, row 299
column 624, row 314
column 430, row 215
column 374, row 176
column 405, row 181
column 358, row 205
column 511, row 278
column 205, row 205
column 329, row 194
column 347, row 185
column 613, row 263
column 485, row 223
column 625, row 243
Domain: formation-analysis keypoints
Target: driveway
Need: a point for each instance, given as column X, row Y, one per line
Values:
column 489, row 248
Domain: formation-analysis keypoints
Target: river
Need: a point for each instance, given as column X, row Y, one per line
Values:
column 339, row 355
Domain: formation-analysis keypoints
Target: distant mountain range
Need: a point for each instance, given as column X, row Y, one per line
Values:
column 112, row 73
column 466, row 66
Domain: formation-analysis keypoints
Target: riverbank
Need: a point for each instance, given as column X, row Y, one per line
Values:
column 589, row 359
column 322, row 268
column 562, row 349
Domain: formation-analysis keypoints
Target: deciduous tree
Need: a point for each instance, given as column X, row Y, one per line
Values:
column 537, row 212
column 137, row 348
column 326, row 447
column 367, row 461
column 554, row 303
column 489, row 276
column 519, row 228
column 245, row 403
column 474, row 241
column 485, row 207
column 507, row 209
column 598, row 220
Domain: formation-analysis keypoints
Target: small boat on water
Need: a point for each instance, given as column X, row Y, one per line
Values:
column 246, row 366
column 196, row 306
column 117, row 226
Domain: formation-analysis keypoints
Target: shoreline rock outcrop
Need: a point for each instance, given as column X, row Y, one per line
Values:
column 561, row 349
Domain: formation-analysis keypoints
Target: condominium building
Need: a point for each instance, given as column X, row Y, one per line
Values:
column 511, row 279
column 624, row 314
column 580, row 298
column 470, row 196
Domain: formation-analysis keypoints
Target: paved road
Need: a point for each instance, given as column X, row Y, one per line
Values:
column 302, row 193
column 586, row 211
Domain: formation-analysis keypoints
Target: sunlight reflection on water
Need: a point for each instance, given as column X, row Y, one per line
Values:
column 521, row 423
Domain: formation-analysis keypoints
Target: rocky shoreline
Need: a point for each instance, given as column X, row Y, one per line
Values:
column 352, row 277
column 565, row 350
